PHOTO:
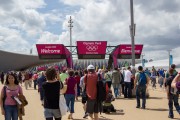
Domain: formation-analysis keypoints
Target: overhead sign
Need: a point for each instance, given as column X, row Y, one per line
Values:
column 51, row 51
column 125, row 51
column 91, row 49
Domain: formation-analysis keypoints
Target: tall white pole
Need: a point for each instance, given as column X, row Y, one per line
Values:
column 169, row 53
column 132, row 32
column 70, row 29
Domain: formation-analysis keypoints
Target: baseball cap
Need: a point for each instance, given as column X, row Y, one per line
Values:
column 90, row 67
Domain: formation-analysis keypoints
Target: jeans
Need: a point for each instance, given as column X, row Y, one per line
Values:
column 35, row 84
column 122, row 88
column 70, row 98
column 116, row 89
column 41, row 94
column 142, row 90
column 173, row 98
column 11, row 112
column 78, row 90
column 128, row 91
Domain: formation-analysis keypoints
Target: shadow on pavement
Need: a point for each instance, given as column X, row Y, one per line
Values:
column 155, row 98
column 176, row 118
column 77, row 119
column 104, row 118
column 118, row 112
column 157, row 109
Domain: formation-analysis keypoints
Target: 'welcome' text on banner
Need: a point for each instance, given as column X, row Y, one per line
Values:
column 125, row 51
column 51, row 51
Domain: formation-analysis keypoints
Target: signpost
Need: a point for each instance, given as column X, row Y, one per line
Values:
column 54, row 51
column 91, row 49
column 125, row 52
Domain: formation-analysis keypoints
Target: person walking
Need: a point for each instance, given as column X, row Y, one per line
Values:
column 127, row 82
column 91, row 89
column 63, row 76
column 2, row 77
column 26, row 80
column 77, row 78
column 108, row 78
column 35, row 77
column 51, row 95
column 9, row 92
column 140, row 84
column 116, row 79
column 40, row 82
column 84, row 95
column 172, row 95
column 70, row 92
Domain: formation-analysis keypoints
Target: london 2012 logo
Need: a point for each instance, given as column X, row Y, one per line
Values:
column 92, row 47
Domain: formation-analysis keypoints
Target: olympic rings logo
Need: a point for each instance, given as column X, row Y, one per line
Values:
column 92, row 47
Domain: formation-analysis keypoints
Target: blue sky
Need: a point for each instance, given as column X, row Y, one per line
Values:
column 61, row 8
column 26, row 23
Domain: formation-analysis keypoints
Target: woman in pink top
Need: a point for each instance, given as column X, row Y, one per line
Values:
column 9, row 105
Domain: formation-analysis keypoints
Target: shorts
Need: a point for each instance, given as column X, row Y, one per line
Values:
column 49, row 113
column 92, row 106
column 83, row 101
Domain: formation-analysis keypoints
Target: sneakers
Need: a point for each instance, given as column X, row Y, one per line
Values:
column 137, row 106
column 143, row 107
column 86, row 115
column 170, row 116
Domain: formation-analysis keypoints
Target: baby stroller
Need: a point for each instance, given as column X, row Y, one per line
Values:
column 107, row 105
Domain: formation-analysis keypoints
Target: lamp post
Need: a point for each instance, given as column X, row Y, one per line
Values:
column 169, row 52
column 132, row 33
column 70, row 28
column 142, row 55
column 31, row 50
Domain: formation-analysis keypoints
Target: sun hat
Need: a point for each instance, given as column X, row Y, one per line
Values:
column 90, row 67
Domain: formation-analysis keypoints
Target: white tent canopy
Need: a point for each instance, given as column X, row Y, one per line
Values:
column 161, row 64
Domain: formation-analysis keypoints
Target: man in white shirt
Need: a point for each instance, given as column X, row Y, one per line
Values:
column 127, row 81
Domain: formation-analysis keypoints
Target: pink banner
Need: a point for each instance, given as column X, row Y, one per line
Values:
column 42, row 68
column 50, row 49
column 126, row 49
column 91, row 47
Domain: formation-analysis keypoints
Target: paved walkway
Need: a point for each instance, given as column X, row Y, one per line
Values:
column 157, row 108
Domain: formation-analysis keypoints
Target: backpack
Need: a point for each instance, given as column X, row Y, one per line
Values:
column 142, row 79
column 122, row 78
column 173, row 91
column 101, row 89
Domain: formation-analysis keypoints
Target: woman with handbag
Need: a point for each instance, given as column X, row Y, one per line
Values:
column 70, row 93
column 11, row 90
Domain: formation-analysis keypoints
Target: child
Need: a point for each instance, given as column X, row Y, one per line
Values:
column 107, row 105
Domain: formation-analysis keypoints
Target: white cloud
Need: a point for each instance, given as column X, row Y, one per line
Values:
column 32, row 4
column 23, row 16
column 76, row 2
column 12, row 39
column 53, row 17
column 47, row 38
column 157, row 23
column 157, row 27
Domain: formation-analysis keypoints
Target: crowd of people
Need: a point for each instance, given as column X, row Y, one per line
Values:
column 84, row 85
